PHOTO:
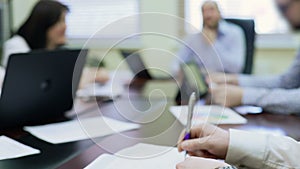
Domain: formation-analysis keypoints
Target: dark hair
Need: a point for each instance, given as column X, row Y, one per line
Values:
column 45, row 14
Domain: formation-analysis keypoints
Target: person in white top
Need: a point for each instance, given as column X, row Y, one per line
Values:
column 44, row 29
column 239, row 148
column 16, row 44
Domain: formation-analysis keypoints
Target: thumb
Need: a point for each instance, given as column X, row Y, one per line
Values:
column 195, row 144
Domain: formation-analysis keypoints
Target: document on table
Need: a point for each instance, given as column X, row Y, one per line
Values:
column 212, row 114
column 106, row 91
column 79, row 129
column 140, row 156
column 10, row 148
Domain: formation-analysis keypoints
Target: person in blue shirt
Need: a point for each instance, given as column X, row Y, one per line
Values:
column 219, row 47
column 276, row 93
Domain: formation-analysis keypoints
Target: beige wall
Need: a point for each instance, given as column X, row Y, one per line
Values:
column 272, row 61
column 21, row 9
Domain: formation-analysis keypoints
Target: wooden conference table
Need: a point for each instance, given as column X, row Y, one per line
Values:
column 158, row 126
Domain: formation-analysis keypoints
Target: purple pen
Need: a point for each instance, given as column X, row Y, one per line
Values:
column 187, row 136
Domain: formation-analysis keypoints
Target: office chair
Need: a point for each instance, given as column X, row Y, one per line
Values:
column 248, row 27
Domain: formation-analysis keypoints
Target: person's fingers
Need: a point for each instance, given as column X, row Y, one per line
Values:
column 218, row 99
column 204, row 154
column 222, row 78
column 218, row 78
column 198, row 162
column 216, row 89
column 195, row 132
column 212, row 90
column 180, row 165
column 218, row 94
column 180, row 139
column 214, row 95
column 201, row 130
column 196, row 144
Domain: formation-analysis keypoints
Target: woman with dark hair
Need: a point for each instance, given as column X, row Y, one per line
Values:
column 44, row 29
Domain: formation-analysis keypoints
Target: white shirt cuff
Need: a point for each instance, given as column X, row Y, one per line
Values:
column 246, row 149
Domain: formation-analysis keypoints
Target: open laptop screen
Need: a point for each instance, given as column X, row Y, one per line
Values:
column 39, row 85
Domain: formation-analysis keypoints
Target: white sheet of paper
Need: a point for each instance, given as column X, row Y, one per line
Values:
column 107, row 90
column 140, row 156
column 101, row 162
column 79, row 130
column 212, row 114
column 10, row 148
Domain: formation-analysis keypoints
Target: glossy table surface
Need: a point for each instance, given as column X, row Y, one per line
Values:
column 158, row 126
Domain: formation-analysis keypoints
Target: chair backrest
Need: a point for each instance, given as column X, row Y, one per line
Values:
column 248, row 27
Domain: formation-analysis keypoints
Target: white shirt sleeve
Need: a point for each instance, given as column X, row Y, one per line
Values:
column 253, row 150
column 16, row 44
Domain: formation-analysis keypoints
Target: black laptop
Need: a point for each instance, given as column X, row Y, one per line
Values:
column 39, row 86
column 136, row 64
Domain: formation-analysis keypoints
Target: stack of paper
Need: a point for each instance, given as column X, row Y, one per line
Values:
column 12, row 149
column 211, row 114
column 141, row 156
column 79, row 129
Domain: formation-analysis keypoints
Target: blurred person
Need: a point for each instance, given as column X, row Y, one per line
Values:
column 219, row 47
column 249, row 149
column 276, row 94
column 239, row 148
column 45, row 29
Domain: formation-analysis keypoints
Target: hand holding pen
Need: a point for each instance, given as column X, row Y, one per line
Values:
column 206, row 140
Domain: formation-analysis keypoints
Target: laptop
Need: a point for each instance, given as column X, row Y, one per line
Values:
column 136, row 64
column 39, row 86
column 193, row 81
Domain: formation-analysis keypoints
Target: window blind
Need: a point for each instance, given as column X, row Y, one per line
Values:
column 107, row 17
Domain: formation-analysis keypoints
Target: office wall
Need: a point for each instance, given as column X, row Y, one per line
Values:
column 21, row 9
column 273, row 61
column 165, row 22
column 267, row 60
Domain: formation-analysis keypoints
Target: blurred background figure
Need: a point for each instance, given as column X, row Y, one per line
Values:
column 277, row 94
column 219, row 47
column 44, row 29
